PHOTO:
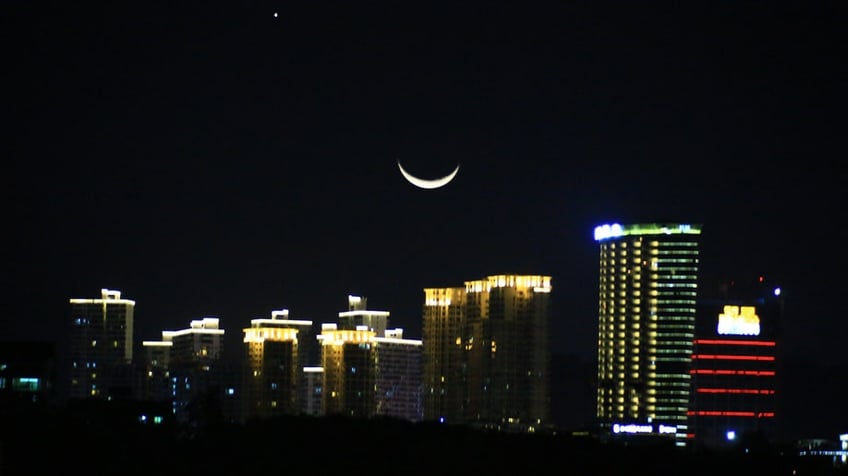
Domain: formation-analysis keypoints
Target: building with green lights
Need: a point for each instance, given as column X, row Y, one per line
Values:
column 648, row 287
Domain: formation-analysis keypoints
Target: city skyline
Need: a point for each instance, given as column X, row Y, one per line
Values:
column 211, row 160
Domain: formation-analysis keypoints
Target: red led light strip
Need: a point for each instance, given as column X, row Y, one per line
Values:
column 756, row 373
column 724, row 413
column 747, row 391
column 764, row 343
column 732, row 357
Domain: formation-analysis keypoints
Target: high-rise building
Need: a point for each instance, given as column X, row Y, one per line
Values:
column 350, row 373
column 487, row 352
column 444, row 354
column 187, row 359
column 398, row 376
column 736, row 363
column 273, row 364
column 101, row 347
column 648, row 288
column 369, row 370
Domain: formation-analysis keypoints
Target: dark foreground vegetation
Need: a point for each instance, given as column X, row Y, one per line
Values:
column 102, row 443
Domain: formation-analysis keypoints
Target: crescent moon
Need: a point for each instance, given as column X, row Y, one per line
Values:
column 428, row 184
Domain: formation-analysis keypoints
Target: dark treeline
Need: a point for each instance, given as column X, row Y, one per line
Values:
column 104, row 442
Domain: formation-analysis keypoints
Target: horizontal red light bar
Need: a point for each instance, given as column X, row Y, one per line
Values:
column 755, row 373
column 732, row 357
column 746, row 391
column 726, row 413
column 764, row 343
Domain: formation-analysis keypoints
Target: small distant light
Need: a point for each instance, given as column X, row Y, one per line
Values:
column 777, row 291
column 441, row 419
column 731, row 435
column 761, row 279
column 275, row 14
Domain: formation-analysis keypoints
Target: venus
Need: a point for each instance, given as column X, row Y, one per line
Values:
column 425, row 183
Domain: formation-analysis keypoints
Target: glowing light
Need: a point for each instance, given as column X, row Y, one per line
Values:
column 764, row 343
column 753, row 373
column 745, row 391
column 739, row 320
column 777, row 291
column 730, row 413
column 732, row 357
column 632, row 428
column 608, row 231
column 731, row 435
column 615, row 230
column 428, row 184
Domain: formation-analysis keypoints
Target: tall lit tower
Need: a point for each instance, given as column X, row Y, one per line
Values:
column 508, row 350
column 487, row 352
column 736, row 365
column 646, row 327
column 444, row 364
column 101, row 346
column 274, row 364
column 349, row 362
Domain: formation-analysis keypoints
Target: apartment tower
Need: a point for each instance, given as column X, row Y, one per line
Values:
column 487, row 352
column 101, row 347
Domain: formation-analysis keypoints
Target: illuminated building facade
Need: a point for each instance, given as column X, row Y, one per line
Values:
column 366, row 375
column 358, row 315
column 487, row 352
column 735, row 372
column 398, row 379
column 443, row 354
column 646, row 327
column 185, row 363
column 101, row 347
column 273, row 365
column 350, row 374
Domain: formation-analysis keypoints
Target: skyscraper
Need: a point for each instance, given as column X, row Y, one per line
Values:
column 736, row 365
column 444, row 355
column 646, row 327
column 369, row 370
column 487, row 352
column 101, row 347
column 188, row 360
column 350, row 373
column 398, row 379
column 273, row 364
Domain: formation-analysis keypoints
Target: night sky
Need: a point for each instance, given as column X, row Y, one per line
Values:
column 216, row 159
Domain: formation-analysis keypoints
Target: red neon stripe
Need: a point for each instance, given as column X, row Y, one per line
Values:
column 765, row 343
column 732, row 357
column 756, row 373
column 748, row 391
column 724, row 413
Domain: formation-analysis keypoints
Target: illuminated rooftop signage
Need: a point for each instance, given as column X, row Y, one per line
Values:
column 615, row 230
column 739, row 320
